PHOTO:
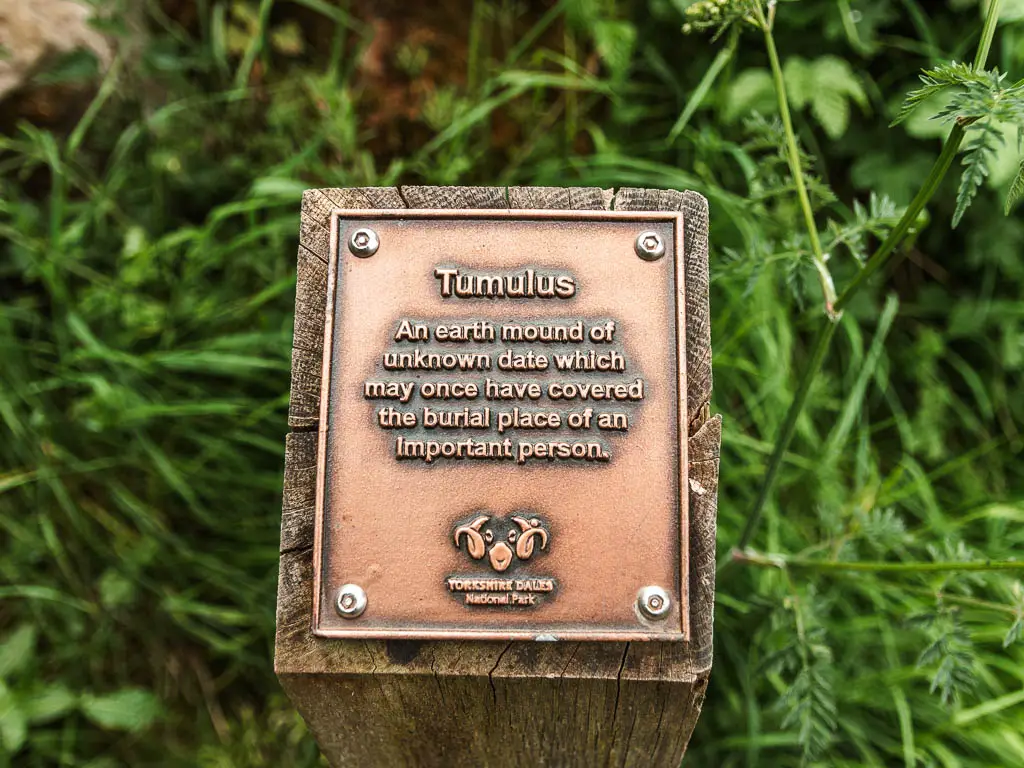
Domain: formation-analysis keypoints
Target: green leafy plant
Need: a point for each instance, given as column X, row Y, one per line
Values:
column 826, row 86
column 979, row 101
column 147, row 247
column 949, row 653
column 808, row 700
column 26, row 702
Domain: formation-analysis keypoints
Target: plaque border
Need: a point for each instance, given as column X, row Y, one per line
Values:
column 677, row 219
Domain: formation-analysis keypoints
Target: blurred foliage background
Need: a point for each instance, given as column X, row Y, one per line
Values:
column 148, row 226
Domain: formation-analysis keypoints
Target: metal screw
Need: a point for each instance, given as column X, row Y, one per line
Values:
column 653, row 602
column 351, row 601
column 364, row 242
column 649, row 246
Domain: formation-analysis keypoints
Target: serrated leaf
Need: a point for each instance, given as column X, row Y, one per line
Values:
column 130, row 709
column 17, row 650
column 835, row 74
column 976, row 164
column 1016, row 190
column 935, row 81
column 832, row 111
column 828, row 84
column 809, row 704
column 884, row 529
column 952, row 652
column 48, row 703
column 751, row 91
column 798, row 76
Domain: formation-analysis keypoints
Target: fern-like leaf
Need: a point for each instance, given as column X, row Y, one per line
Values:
column 1016, row 190
column 976, row 163
column 935, row 81
column 952, row 653
column 884, row 530
column 810, row 705
column 981, row 99
column 880, row 216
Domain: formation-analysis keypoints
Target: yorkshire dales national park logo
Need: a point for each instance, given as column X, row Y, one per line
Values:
column 502, row 542
column 497, row 539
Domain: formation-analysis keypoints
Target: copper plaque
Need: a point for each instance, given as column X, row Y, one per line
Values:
column 503, row 413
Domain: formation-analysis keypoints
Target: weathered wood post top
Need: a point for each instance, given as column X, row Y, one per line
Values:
column 498, row 535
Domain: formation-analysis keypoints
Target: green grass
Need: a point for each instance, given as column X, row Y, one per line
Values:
column 147, row 250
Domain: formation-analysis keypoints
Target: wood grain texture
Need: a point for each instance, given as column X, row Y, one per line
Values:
column 455, row 197
column 298, row 503
column 404, row 703
column 703, row 478
column 560, row 198
column 698, row 310
column 311, row 289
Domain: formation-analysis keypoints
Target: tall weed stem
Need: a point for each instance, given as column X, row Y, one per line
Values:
column 828, row 288
column 885, row 254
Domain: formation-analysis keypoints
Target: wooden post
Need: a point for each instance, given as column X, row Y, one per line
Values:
column 471, row 703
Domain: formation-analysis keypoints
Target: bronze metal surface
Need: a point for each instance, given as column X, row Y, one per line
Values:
column 490, row 548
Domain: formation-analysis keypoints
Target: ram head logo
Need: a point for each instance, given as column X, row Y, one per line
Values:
column 500, row 542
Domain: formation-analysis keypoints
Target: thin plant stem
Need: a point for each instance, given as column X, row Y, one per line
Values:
column 886, row 250
column 885, row 254
column 701, row 91
column 988, row 33
column 255, row 46
column 828, row 288
column 863, row 566
column 825, row 332
column 967, row 602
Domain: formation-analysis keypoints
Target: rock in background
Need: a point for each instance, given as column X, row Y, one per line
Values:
column 33, row 32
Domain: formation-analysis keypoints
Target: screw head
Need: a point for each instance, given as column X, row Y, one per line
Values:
column 351, row 601
column 649, row 246
column 653, row 602
column 364, row 242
